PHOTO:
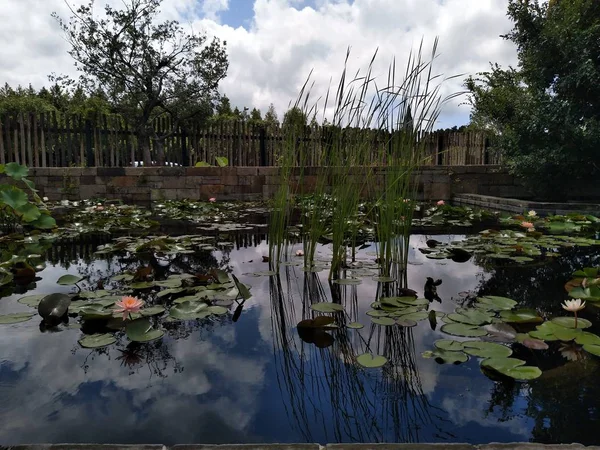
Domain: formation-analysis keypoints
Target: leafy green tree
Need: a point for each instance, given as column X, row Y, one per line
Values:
column 546, row 112
column 295, row 117
column 271, row 116
column 17, row 101
column 148, row 69
column 255, row 115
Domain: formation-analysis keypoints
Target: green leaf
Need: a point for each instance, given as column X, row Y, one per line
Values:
column 222, row 161
column 460, row 329
column 371, row 361
column 29, row 212
column 69, row 280
column 385, row 321
column 586, row 338
column 218, row 310
column 471, row 317
column 416, row 316
column 141, row 330
column 202, row 164
column 13, row 197
column 498, row 303
column 593, row 349
column 44, row 222
column 355, row 325
column 326, row 307
column 15, row 170
column 501, row 332
column 221, row 275
column 15, row 318
column 569, row 322
column 512, row 367
column 446, row 356
column 189, row 310
column 97, row 340
column 152, row 311
column 486, row 349
column 94, row 311
column 242, row 288
column 31, row 300
column 521, row 316
column 448, row 345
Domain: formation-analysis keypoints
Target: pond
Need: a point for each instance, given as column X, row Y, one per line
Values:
column 249, row 374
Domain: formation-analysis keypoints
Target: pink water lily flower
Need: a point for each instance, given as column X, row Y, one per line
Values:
column 441, row 203
column 129, row 305
column 212, row 199
column 526, row 224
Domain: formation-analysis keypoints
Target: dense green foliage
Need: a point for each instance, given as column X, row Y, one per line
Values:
column 546, row 111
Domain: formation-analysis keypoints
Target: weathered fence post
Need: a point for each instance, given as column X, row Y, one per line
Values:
column 263, row 145
column 89, row 150
column 185, row 156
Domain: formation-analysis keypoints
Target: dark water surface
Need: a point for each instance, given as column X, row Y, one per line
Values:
column 255, row 380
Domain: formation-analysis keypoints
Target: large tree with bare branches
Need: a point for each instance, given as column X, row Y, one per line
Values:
column 148, row 68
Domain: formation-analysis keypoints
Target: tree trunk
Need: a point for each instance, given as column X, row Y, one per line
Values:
column 144, row 143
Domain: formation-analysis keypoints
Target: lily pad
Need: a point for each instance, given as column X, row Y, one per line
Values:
column 486, row 349
column 152, row 311
column 371, row 361
column 385, row 321
column 189, row 310
column 242, row 288
column 97, row 340
column 593, row 349
column 586, row 338
column 348, row 281
column 569, row 322
column 15, row 318
column 69, row 280
column 326, row 307
column 95, row 312
column 446, row 356
column 512, row 367
column 317, row 322
column 471, row 317
column 414, row 316
column 141, row 330
column 534, row 344
column 31, row 300
column 501, row 332
column 407, row 323
column 218, row 310
column 498, row 303
column 521, row 316
column 448, row 345
column 461, row 329
column 355, row 325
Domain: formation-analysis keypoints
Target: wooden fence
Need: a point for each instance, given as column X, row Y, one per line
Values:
column 52, row 140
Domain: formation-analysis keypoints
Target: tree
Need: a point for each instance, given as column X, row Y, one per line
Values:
column 255, row 115
column 546, row 112
column 147, row 69
column 295, row 117
column 271, row 116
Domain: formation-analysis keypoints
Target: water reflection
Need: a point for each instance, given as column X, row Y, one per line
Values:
column 256, row 379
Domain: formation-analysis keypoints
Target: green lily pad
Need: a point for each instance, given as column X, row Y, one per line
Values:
column 97, row 340
column 326, row 307
column 471, row 317
column 371, row 361
column 189, row 310
column 385, row 321
column 69, row 280
column 264, row 273
column 143, row 285
column 348, row 281
column 44, row 222
column 16, row 170
column 411, row 301
column 569, row 322
column 534, row 344
column 521, row 316
column 446, row 356
column 586, row 338
column 486, row 349
column 152, row 311
column 141, row 330
column 355, row 325
column 593, row 349
column 512, row 367
column 460, row 329
column 448, row 345
column 29, row 212
column 502, row 332
column 95, row 312
column 406, row 323
column 498, row 303
column 242, row 288
column 13, row 197
column 7, row 319
column 414, row 316
column 218, row 310
column 31, row 300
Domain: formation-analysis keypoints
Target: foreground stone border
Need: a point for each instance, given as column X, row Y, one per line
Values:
column 491, row 446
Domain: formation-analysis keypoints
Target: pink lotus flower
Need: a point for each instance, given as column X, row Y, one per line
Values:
column 129, row 305
column 299, row 252
column 441, row 203
column 526, row 224
column 212, row 199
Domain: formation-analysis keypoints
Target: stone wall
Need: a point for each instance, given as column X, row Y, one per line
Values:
column 143, row 185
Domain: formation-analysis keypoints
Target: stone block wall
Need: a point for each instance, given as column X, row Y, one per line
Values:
column 147, row 184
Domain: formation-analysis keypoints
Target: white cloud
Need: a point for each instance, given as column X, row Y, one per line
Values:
column 271, row 58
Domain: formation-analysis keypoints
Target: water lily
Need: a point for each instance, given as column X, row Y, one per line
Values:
column 441, row 203
column 212, row 199
column 527, row 224
column 299, row 252
column 45, row 199
column 574, row 306
column 532, row 213
column 531, row 229
column 129, row 305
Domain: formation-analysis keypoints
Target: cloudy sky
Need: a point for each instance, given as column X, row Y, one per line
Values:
column 274, row 44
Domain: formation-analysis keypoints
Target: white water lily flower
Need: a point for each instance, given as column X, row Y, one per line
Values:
column 573, row 305
column 64, row 202
column 532, row 213
column 45, row 199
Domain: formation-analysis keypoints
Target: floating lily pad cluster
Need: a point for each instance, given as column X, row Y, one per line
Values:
column 495, row 320
column 508, row 245
column 555, row 224
column 585, row 285
column 458, row 216
column 178, row 297
column 89, row 216
column 203, row 212
column 164, row 244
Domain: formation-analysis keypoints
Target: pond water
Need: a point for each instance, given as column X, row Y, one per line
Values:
column 256, row 380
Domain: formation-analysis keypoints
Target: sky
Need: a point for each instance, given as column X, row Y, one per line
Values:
column 273, row 45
